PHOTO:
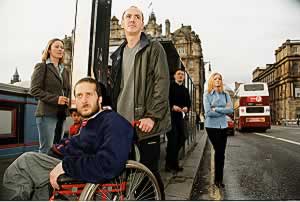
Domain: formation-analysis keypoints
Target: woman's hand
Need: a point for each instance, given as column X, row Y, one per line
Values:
column 228, row 105
column 213, row 109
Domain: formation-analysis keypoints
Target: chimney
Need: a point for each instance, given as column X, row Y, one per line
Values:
column 167, row 23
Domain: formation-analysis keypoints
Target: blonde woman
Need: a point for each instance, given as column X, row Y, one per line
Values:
column 217, row 104
column 50, row 85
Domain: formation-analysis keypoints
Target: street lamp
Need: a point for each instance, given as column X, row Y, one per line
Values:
column 209, row 69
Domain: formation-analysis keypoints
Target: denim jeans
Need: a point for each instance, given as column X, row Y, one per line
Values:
column 46, row 127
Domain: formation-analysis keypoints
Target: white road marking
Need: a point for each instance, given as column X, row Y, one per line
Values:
column 278, row 138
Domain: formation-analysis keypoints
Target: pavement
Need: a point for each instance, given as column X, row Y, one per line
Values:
column 178, row 186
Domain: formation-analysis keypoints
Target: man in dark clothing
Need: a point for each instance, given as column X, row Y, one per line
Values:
column 179, row 104
column 140, row 87
column 97, row 154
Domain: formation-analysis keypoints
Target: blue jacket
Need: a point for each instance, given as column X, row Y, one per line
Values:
column 100, row 151
column 217, row 118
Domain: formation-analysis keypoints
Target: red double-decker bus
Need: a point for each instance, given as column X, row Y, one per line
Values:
column 252, row 107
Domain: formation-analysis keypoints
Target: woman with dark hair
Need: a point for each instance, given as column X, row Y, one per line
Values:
column 50, row 84
column 217, row 104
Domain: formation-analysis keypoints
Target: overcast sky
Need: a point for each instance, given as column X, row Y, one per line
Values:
column 236, row 35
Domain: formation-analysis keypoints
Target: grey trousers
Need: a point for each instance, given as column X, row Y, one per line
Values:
column 27, row 178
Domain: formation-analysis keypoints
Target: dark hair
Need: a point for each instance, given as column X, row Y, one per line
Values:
column 178, row 69
column 89, row 80
column 71, row 110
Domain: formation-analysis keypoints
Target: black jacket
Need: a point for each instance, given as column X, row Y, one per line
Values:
column 151, row 85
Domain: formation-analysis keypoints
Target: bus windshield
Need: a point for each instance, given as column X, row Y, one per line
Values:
column 254, row 87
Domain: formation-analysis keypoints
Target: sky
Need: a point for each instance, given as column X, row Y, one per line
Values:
column 236, row 35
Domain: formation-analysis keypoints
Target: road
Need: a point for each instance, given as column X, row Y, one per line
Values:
column 258, row 166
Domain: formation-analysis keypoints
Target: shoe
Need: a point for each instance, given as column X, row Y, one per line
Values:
column 220, row 185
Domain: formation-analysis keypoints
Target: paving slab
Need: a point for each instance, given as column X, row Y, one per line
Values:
column 178, row 186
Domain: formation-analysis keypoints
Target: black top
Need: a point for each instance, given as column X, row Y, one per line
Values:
column 179, row 96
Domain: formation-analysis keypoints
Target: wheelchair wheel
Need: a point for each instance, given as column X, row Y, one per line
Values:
column 137, row 182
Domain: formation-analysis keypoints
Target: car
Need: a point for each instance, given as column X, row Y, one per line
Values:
column 230, row 127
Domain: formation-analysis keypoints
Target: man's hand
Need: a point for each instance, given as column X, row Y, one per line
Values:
column 57, row 171
column 146, row 125
column 185, row 109
column 175, row 108
column 62, row 100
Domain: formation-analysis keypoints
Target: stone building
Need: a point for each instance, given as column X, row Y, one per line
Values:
column 283, row 79
column 186, row 41
column 16, row 77
column 68, row 51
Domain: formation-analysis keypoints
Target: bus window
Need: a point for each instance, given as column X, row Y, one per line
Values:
column 254, row 87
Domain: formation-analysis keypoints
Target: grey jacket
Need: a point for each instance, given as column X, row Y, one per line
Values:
column 151, row 85
column 46, row 86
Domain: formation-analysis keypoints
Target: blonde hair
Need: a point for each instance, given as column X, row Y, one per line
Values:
column 210, row 86
column 46, row 54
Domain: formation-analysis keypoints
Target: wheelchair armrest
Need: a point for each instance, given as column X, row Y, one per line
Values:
column 64, row 179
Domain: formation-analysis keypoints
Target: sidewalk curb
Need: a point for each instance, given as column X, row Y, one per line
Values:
column 178, row 186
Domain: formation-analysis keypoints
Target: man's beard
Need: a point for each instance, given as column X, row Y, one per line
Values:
column 94, row 111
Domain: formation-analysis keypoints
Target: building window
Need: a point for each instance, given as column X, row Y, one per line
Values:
column 294, row 50
column 11, row 123
column 7, row 127
column 297, row 89
column 180, row 50
column 191, row 64
column 295, row 68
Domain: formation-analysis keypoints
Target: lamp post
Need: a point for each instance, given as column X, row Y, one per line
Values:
column 209, row 68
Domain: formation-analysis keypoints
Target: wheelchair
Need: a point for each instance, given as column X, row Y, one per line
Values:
column 136, row 182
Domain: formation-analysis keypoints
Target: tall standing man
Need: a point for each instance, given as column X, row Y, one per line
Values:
column 140, row 87
column 180, row 103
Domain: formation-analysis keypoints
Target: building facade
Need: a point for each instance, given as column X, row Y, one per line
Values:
column 16, row 77
column 283, row 79
column 186, row 42
column 68, row 44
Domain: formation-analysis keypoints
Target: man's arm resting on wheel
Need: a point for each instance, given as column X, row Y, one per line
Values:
column 57, row 171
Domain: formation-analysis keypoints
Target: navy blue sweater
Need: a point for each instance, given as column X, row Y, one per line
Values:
column 100, row 151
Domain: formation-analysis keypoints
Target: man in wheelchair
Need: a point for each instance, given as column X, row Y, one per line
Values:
column 97, row 154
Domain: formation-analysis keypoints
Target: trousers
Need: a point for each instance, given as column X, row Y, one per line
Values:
column 176, row 139
column 218, row 138
column 27, row 178
column 150, row 155
column 46, row 127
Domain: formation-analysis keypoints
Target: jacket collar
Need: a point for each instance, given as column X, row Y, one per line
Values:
column 213, row 91
column 54, row 69
column 144, row 41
